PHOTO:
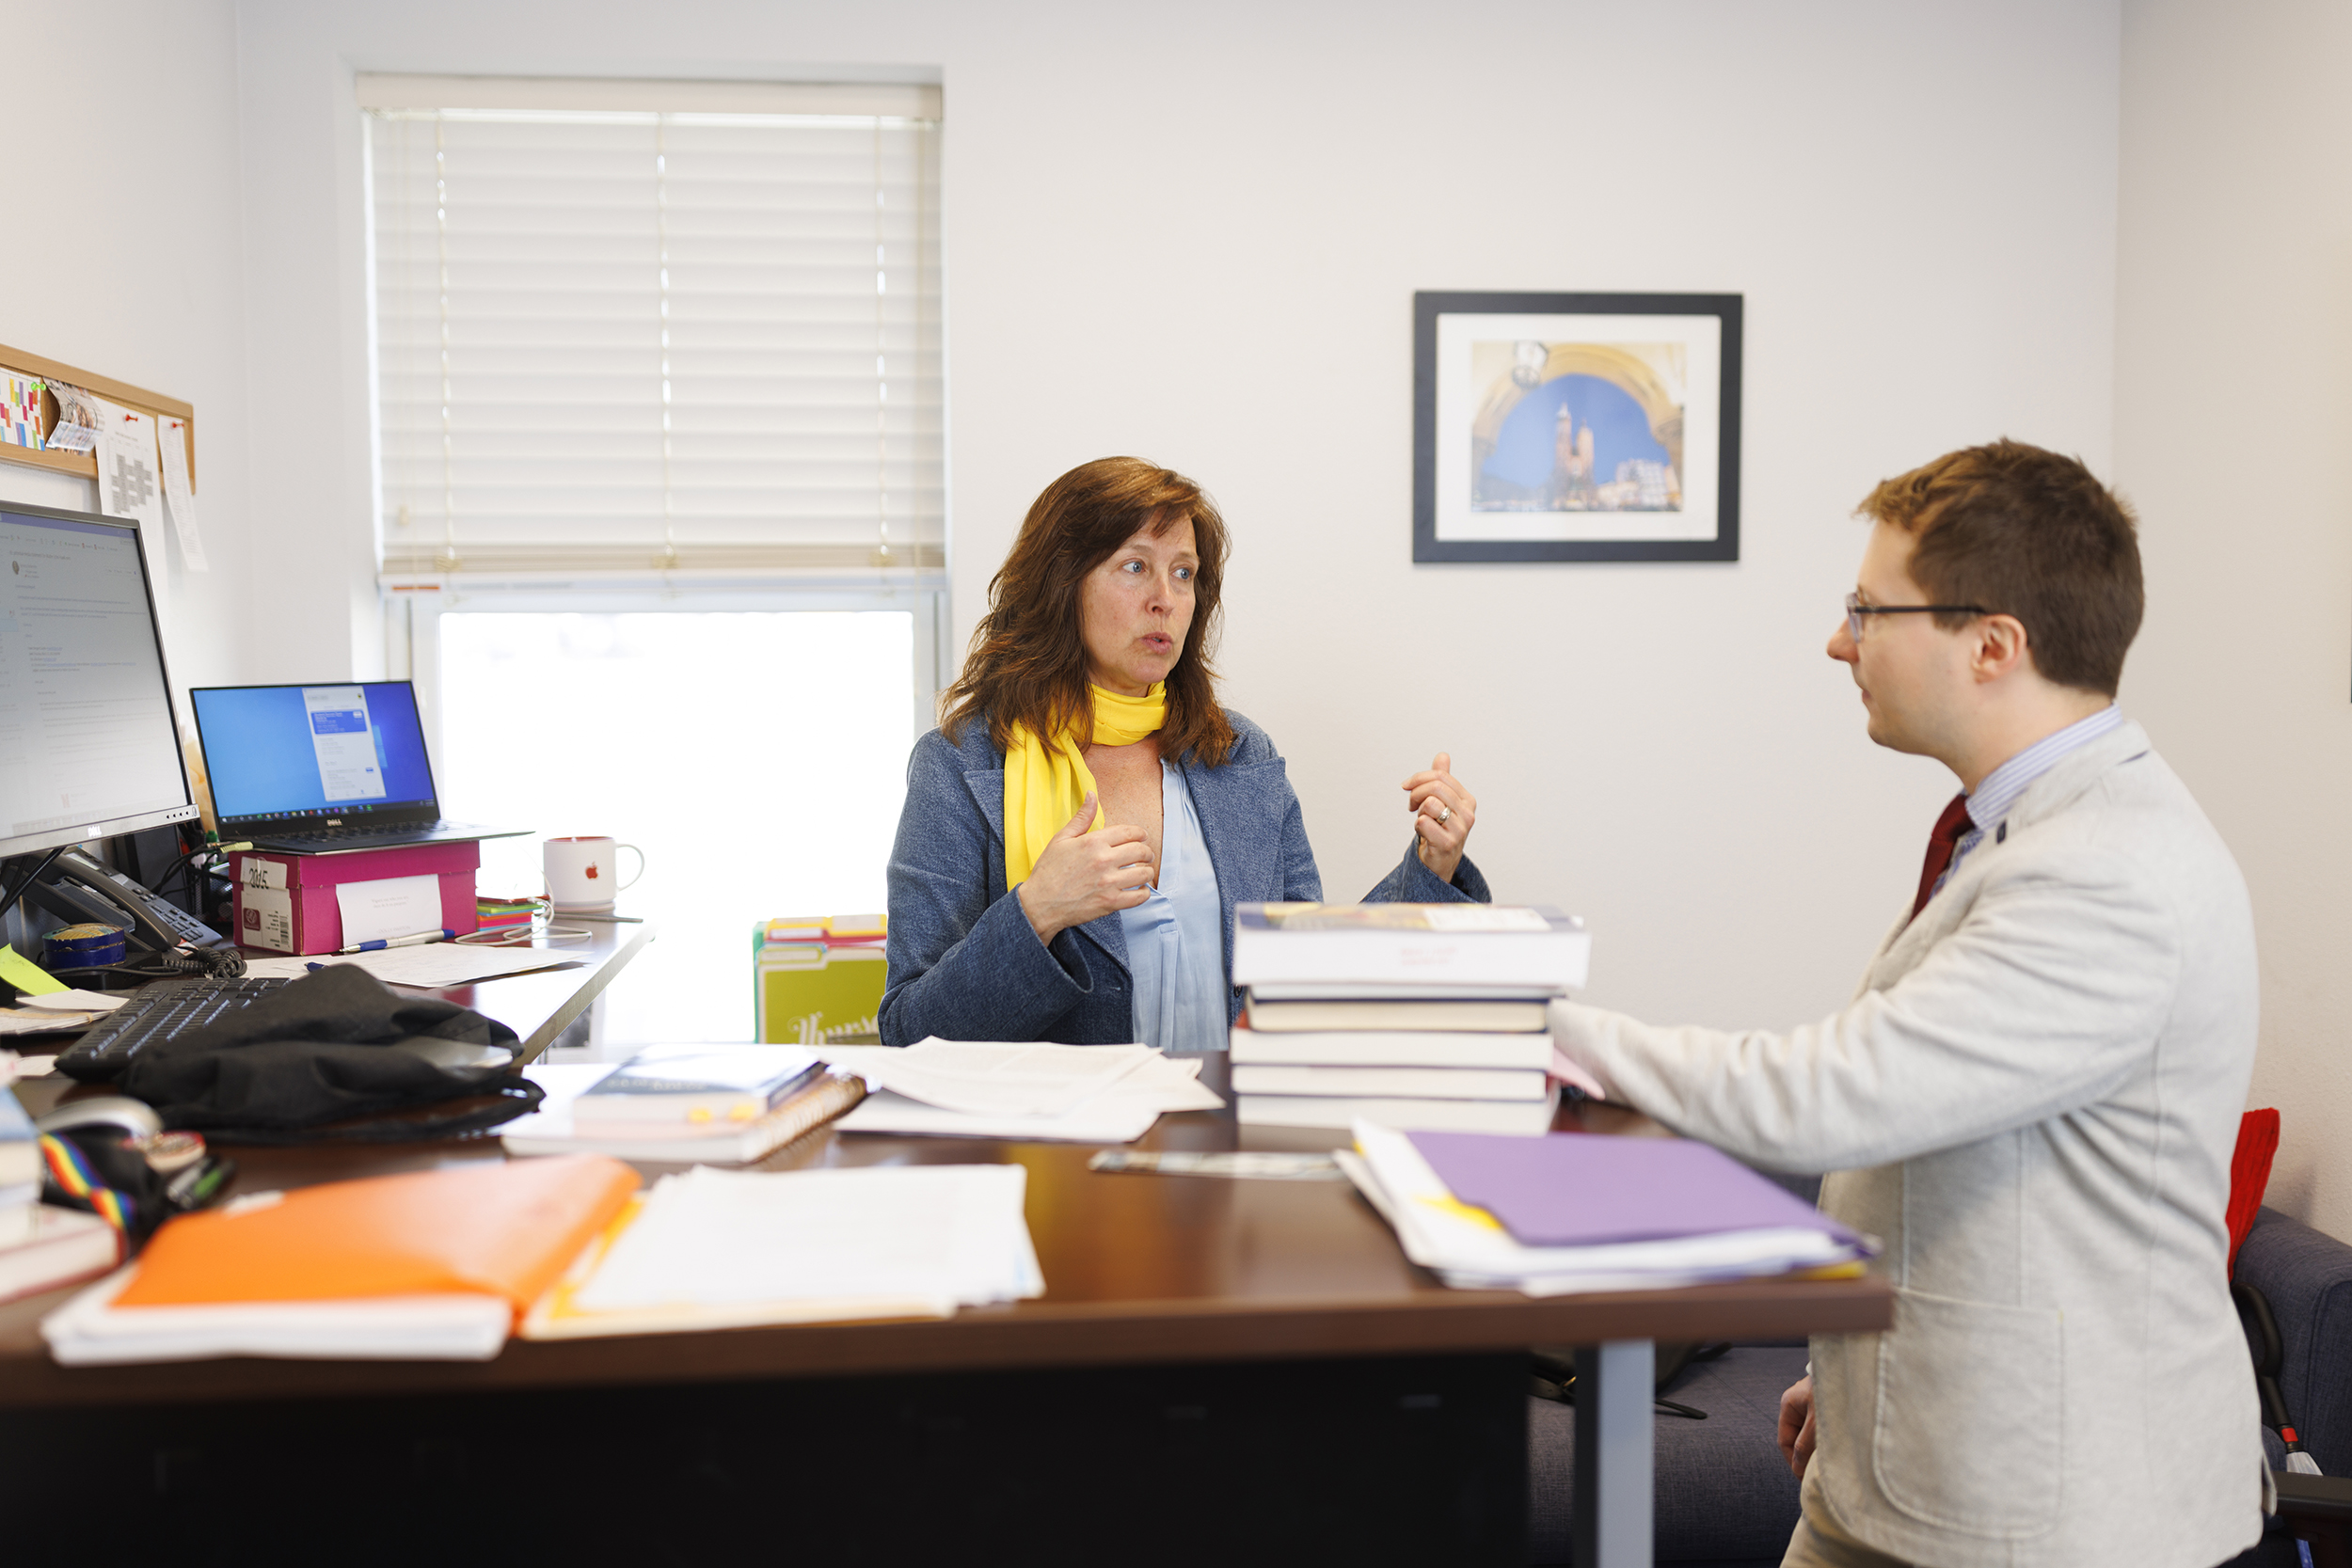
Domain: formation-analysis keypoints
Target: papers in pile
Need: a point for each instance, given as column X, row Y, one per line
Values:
column 715, row 1248
column 1096, row 1094
column 1578, row 1211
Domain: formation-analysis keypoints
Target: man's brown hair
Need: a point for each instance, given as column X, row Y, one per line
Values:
column 2018, row 530
column 1027, row 665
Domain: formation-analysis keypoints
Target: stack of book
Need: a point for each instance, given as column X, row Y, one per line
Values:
column 497, row 915
column 699, row 1104
column 41, row 1246
column 1423, row 1016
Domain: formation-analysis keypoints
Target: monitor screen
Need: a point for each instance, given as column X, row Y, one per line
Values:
column 87, row 743
column 349, row 750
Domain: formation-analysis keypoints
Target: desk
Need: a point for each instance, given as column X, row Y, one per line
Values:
column 1170, row 1301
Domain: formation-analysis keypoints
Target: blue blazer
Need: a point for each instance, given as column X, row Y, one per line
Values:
column 966, row 965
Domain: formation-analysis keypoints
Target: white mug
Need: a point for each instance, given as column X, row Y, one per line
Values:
column 580, row 871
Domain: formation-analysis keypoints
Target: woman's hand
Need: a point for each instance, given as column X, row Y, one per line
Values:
column 1443, row 812
column 1080, row 876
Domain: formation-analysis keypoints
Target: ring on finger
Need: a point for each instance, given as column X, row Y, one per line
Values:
column 1445, row 815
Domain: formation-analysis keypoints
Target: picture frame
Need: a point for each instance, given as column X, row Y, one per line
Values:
column 1576, row 427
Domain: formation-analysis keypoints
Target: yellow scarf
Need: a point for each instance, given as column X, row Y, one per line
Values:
column 1045, row 783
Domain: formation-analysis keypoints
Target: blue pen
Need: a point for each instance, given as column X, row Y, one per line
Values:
column 381, row 942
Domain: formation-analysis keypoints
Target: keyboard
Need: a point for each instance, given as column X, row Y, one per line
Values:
column 374, row 836
column 156, row 1011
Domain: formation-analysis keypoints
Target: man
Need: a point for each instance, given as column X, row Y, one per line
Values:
column 2033, row 1097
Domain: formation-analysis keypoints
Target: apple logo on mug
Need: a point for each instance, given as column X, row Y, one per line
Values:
column 592, row 871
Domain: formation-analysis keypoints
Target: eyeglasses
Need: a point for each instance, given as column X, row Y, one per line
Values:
column 1856, row 609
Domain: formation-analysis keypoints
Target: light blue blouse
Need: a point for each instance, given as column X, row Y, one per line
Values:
column 1176, row 937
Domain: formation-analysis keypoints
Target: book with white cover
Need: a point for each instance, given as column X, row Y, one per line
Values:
column 1411, row 944
column 55, row 1247
column 1527, row 1116
column 1415, row 1082
column 1392, row 1047
column 1447, row 1015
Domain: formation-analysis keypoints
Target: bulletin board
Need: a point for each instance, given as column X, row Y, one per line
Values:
column 137, row 447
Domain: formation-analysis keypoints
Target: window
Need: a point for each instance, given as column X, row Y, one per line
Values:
column 632, row 326
column 660, row 487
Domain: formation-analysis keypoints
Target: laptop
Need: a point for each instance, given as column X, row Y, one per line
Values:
column 318, row 769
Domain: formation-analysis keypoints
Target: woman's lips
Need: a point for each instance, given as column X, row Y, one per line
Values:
column 1158, row 644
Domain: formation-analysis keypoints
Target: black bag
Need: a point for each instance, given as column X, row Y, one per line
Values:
column 336, row 1055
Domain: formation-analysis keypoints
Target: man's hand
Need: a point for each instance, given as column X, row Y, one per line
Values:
column 1080, row 875
column 1796, row 1426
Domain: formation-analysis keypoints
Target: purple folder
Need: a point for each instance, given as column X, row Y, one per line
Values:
column 1581, row 1189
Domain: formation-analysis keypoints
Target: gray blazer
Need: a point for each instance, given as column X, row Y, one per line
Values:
column 2032, row 1098
column 964, row 962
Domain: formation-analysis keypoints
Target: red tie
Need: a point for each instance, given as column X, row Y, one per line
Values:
column 1949, row 829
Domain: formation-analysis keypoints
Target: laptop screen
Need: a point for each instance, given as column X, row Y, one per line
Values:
column 349, row 751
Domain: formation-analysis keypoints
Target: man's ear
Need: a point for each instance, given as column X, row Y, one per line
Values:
column 2000, row 648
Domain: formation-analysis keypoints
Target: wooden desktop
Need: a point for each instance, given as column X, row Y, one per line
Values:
column 1261, row 1347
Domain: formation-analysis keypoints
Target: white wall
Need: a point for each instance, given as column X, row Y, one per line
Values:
column 2234, row 361
column 123, row 233
column 1197, row 237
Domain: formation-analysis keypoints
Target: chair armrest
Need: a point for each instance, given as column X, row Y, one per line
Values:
column 2324, row 1498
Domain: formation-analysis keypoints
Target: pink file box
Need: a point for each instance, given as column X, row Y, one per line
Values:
column 286, row 903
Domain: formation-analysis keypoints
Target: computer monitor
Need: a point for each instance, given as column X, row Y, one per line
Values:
column 89, row 746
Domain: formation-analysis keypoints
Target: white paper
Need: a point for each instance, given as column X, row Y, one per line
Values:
column 255, row 871
column 388, row 907
column 128, row 483
column 268, row 920
column 429, row 965
column 172, row 435
column 77, row 1001
column 953, row 1235
column 988, row 1078
column 1120, row 1114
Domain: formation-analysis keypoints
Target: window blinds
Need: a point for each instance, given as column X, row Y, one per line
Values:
column 633, row 326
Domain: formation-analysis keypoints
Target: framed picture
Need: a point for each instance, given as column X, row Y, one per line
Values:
column 1576, row 427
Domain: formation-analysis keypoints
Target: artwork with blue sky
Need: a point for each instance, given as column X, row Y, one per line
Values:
column 1524, row 447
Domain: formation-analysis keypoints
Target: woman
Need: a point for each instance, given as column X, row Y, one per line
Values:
column 1079, row 828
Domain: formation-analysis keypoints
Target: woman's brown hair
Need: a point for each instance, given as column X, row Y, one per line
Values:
column 1027, row 666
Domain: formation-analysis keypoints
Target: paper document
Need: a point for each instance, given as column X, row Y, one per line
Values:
column 128, row 483
column 431, row 965
column 388, row 908
column 711, row 1248
column 1120, row 1111
column 1468, row 1247
column 985, row 1078
column 172, row 437
column 77, row 1001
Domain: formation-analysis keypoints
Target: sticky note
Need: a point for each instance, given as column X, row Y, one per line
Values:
column 25, row 975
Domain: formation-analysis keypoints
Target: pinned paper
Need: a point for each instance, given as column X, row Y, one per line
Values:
column 25, row 975
column 173, row 436
column 256, row 872
column 128, row 483
column 388, row 907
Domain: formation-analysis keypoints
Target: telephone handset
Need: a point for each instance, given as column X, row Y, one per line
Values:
column 79, row 888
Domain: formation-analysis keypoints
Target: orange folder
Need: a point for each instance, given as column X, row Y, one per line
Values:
column 495, row 1228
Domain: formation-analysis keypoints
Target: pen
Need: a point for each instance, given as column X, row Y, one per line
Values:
column 396, row 941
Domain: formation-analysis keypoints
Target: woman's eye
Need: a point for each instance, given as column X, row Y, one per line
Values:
column 1184, row 574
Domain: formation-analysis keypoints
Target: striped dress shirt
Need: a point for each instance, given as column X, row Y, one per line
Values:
column 1989, row 803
